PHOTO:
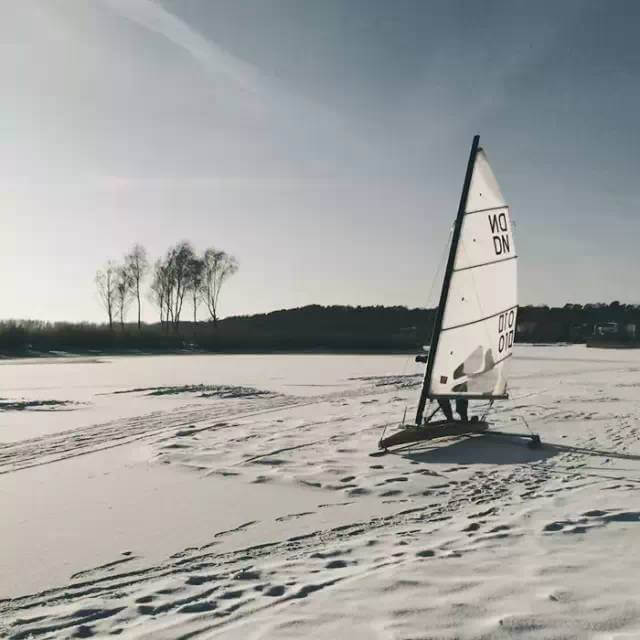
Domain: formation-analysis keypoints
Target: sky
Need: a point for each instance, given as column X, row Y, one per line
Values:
column 322, row 143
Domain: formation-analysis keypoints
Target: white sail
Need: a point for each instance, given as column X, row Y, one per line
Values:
column 478, row 325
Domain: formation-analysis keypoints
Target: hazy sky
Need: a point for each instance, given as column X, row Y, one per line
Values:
column 322, row 142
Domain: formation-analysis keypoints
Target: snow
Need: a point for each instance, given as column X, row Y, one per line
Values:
column 261, row 515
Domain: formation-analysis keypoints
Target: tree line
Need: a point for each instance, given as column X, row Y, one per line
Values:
column 309, row 328
column 181, row 274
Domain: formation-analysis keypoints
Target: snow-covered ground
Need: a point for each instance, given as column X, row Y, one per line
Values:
column 234, row 497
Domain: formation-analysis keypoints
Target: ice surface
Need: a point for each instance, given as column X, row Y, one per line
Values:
column 262, row 516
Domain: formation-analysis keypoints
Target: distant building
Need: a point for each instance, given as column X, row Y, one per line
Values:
column 605, row 329
column 611, row 335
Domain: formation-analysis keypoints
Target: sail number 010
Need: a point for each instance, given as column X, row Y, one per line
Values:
column 506, row 330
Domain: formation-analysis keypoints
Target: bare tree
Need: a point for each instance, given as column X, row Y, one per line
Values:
column 180, row 273
column 106, row 280
column 136, row 264
column 124, row 292
column 218, row 266
column 160, row 290
column 182, row 257
column 172, row 278
column 169, row 289
column 156, row 293
column 196, row 278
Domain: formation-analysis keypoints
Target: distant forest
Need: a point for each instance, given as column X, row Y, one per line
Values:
column 314, row 328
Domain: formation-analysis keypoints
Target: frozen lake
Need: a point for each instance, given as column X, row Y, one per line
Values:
column 91, row 381
column 249, row 507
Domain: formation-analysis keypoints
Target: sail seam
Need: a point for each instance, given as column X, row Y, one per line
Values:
column 485, row 264
column 466, row 324
column 502, row 206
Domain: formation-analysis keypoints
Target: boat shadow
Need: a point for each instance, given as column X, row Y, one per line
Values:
column 496, row 449
column 478, row 449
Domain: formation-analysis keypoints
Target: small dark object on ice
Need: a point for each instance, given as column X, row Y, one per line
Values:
column 535, row 442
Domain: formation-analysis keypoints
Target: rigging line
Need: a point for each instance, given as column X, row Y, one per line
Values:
column 436, row 278
column 436, row 275
column 430, row 294
column 433, row 283
column 428, row 300
column 440, row 264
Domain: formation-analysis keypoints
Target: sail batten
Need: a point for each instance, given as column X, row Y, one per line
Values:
column 485, row 264
column 476, row 319
column 468, row 213
column 466, row 324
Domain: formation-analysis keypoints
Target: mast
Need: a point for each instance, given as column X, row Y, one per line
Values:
column 435, row 336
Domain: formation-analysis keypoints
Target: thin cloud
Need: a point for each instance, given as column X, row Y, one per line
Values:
column 214, row 58
column 272, row 99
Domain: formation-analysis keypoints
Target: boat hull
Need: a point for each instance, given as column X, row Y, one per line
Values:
column 431, row 431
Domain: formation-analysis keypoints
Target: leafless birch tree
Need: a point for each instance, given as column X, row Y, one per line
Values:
column 124, row 292
column 180, row 259
column 172, row 278
column 137, row 265
column 196, row 279
column 160, row 290
column 106, row 281
column 218, row 266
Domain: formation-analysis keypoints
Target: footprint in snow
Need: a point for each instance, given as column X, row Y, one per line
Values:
column 336, row 564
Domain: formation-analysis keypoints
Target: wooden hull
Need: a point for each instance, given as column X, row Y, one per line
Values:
column 439, row 429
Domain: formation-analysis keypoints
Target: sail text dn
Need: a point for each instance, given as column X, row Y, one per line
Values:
column 500, row 232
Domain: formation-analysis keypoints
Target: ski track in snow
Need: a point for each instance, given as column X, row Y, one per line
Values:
column 480, row 537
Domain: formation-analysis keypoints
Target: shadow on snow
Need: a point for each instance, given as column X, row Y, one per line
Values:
column 495, row 449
